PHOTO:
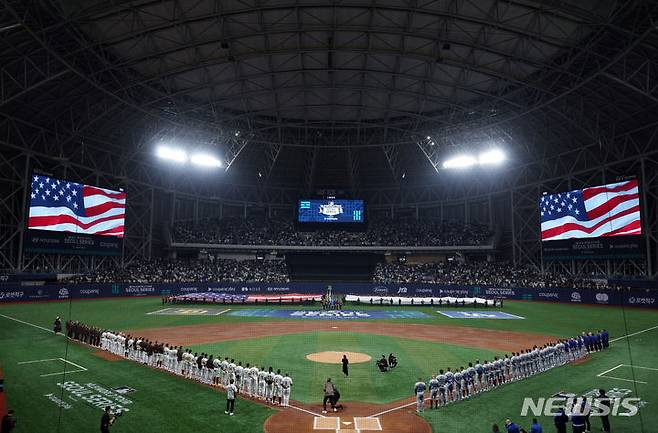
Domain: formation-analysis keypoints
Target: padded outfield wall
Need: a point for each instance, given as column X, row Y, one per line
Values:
column 636, row 297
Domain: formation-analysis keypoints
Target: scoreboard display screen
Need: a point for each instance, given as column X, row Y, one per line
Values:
column 330, row 211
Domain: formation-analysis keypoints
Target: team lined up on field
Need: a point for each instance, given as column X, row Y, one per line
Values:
column 264, row 384
column 451, row 386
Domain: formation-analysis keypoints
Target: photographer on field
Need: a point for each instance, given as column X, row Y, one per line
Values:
column 108, row 419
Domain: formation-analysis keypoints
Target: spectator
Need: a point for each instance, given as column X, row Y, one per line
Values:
column 479, row 273
column 266, row 231
column 181, row 271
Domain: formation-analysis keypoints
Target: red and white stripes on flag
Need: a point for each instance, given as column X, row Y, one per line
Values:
column 608, row 210
column 63, row 206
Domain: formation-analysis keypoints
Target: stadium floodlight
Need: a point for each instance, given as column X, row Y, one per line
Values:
column 206, row 160
column 461, row 161
column 171, row 154
column 493, row 156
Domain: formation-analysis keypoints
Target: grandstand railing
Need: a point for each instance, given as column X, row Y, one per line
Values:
column 488, row 247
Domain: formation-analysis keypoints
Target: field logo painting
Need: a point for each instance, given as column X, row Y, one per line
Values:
column 479, row 315
column 330, row 314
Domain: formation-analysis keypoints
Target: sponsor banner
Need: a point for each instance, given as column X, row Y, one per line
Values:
column 330, row 315
column 140, row 290
column 479, row 315
column 600, row 248
column 42, row 241
column 633, row 297
column 12, row 296
column 500, row 292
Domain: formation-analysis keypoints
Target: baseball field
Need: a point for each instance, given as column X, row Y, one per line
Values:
column 58, row 385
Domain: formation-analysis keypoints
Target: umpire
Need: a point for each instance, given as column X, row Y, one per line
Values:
column 329, row 395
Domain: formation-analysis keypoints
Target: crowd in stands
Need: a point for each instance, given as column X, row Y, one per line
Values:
column 183, row 271
column 268, row 385
column 480, row 273
column 266, row 231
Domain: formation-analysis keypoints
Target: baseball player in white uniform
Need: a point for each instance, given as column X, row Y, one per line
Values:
column 262, row 393
column 286, row 385
column 269, row 382
column 239, row 378
column 278, row 391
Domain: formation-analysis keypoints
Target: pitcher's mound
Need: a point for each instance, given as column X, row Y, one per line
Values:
column 336, row 357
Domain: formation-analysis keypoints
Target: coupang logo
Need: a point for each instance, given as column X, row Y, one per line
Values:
column 380, row 289
column 10, row 296
column 90, row 292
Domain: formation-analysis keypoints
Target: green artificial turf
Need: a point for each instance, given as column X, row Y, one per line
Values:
column 507, row 401
column 365, row 382
column 169, row 404
column 161, row 402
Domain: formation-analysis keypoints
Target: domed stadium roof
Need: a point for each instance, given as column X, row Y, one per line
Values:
column 329, row 94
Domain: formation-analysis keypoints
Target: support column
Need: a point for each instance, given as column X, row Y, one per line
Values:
column 513, row 227
column 646, row 229
column 24, row 213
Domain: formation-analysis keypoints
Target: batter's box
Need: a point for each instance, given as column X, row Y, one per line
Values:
column 349, row 430
column 326, row 423
column 367, row 423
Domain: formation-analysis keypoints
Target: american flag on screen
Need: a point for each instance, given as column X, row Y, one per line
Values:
column 63, row 206
column 608, row 210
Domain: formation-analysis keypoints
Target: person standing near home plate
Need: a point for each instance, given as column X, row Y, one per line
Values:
column 346, row 364
column 329, row 392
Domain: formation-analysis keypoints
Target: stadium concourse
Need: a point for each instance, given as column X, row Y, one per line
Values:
column 398, row 216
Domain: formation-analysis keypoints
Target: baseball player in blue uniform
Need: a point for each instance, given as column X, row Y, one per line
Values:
column 434, row 392
column 443, row 387
column 450, row 385
column 419, row 390
column 458, row 385
column 479, row 370
column 470, row 379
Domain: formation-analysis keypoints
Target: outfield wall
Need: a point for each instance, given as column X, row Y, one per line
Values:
column 637, row 297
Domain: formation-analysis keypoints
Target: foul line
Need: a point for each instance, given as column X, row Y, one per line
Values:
column 625, row 380
column 608, row 371
column 222, row 312
column 392, row 410
column 159, row 311
column 29, row 324
column 307, row 411
column 634, row 333
column 38, row 360
column 603, row 375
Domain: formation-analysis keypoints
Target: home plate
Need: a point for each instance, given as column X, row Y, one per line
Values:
column 346, row 422
column 334, row 327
